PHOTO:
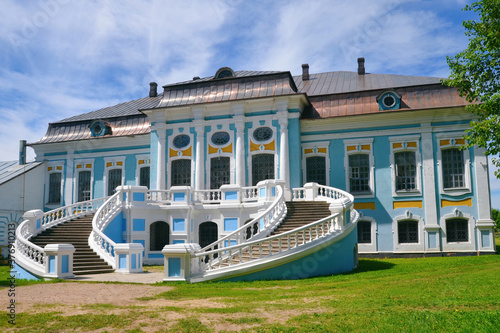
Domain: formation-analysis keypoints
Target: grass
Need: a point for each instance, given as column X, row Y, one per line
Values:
column 454, row 294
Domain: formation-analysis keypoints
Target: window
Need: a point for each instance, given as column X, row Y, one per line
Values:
column 219, row 172
column 316, row 170
column 220, row 138
column 181, row 141
column 453, row 168
column 55, row 188
column 181, row 173
column 262, row 134
column 408, row 231
column 457, row 230
column 114, row 180
column 364, row 232
column 262, row 167
column 84, row 178
column 144, row 176
column 207, row 233
column 359, row 173
column 405, row 171
column 159, row 235
column 389, row 100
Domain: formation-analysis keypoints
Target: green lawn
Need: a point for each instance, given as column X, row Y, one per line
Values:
column 454, row 294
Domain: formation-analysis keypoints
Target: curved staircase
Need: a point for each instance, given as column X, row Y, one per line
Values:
column 75, row 232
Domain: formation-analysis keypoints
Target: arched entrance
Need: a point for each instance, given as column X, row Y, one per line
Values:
column 159, row 235
column 207, row 233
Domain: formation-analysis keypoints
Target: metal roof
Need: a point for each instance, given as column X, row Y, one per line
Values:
column 11, row 169
column 236, row 73
column 228, row 89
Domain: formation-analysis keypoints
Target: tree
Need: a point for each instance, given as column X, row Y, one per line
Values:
column 475, row 72
column 495, row 215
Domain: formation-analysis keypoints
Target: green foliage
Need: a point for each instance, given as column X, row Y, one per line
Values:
column 476, row 73
column 495, row 215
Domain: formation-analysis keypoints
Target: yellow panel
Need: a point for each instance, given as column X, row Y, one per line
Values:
column 351, row 148
column 49, row 169
column 59, row 168
column 228, row 149
column 308, row 151
column 108, row 164
column 254, row 146
column 365, row 147
column 412, row 145
column 407, row 204
column 173, row 153
column 364, row 205
column 211, row 150
column 79, row 166
column 444, row 142
column 141, row 162
column 88, row 166
column 119, row 163
column 269, row 146
column 397, row 145
column 187, row 152
column 322, row 150
column 460, row 141
column 448, row 203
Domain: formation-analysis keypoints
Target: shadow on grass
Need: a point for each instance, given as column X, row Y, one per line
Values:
column 371, row 265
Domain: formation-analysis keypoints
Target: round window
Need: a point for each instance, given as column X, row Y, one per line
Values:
column 263, row 134
column 97, row 129
column 389, row 101
column 181, row 141
column 220, row 138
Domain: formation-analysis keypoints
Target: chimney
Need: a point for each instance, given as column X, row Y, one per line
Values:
column 305, row 72
column 152, row 89
column 22, row 152
column 361, row 66
column 196, row 78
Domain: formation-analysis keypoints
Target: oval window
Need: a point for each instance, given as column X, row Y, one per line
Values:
column 220, row 138
column 181, row 141
column 389, row 101
column 97, row 129
column 263, row 134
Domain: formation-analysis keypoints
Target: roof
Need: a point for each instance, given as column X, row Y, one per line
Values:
column 11, row 169
column 345, row 82
column 269, row 84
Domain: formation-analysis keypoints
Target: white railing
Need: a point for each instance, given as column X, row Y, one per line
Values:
column 207, row 196
column 245, row 194
column 259, row 227
column 31, row 256
column 159, row 196
column 98, row 241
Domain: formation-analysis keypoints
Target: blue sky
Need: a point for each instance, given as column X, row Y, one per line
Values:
column 59, row 58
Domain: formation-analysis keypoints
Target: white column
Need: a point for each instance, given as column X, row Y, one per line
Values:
column 482, row 185
column 162, row 149
column 200, row 158
column 428, row 178
column 70, row 180
column 284, row 165
column 240, row 153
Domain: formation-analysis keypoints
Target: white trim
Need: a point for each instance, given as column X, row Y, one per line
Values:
column 77, row 171
column 452, row 136
column 408, row 247
column 114, row 160
column 138, row 167
column 315, row 146
column 170, row 138
column 54, row 165
column 468, row 246
column 358, row 143
column 418, row 163
column 256, row 124
column 232, row 142
column 372, row 246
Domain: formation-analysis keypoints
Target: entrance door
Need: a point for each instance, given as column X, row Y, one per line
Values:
column 207, row 233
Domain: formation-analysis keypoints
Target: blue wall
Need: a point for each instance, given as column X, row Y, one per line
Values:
column 115, row 229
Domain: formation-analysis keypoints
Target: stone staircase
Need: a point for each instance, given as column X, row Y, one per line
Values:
column 298, row 214
column 76, row 232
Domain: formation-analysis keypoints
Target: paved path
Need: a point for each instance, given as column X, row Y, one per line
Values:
column 120, row 277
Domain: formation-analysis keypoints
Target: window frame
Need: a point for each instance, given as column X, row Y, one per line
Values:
column 54, row 167
column 112, row 163
column 355, row 147
column 184, row 153
column 372, row 246
column 408, row 247
column 146, row 162
column 453, row 140
column 85, row 167
column 314, row 149
column 470, row 245
column 262, row 147
column 400, row 144
column 220, row 150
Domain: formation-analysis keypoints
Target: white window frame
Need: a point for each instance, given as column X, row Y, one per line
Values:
column 169, row 159
column 404, row 140
column 470, row 245
column 408, row 247
column 452, row 137
column 54, row 165
column 77, row 171
column 358, row 143
column 372, row 246
column 255, row 125
column 220, row 153
column 115, row 160
column 315, row 146
column 138, row 168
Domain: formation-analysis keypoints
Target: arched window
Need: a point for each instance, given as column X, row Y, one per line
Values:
column 159, row 235
column 316, row 170
column 262, row 167
column 407, row 231
column 181, row 173
column 457, row 230
column 207, row 233
column 219, row 171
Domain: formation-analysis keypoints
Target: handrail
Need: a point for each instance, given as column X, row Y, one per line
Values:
column 272, row 216
column 98, row 241
column 31, row 256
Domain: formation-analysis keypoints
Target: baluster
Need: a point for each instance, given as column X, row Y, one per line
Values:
column 270, row 248
column 240, row 252
column 260, row 250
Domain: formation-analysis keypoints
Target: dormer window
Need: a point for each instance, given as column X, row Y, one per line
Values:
column 223, row 73
column 389, row 100
column 100, row 128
